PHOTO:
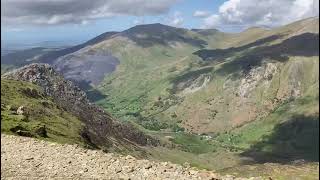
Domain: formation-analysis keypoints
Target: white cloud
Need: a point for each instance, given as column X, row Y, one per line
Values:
column 211, row 21
column 201, row 14
column 176, row 20
column 52, row 12
column 247, row 13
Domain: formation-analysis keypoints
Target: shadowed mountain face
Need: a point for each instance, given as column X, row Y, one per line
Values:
column 89, row 68
column 306, row 45
column 215, row 54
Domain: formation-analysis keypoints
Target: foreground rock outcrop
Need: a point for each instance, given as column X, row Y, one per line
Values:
column 101, row 130
column 27, row 158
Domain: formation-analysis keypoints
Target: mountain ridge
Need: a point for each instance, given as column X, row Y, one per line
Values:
column 99, row 124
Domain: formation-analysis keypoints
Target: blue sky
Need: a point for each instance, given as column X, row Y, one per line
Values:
column 75, row 21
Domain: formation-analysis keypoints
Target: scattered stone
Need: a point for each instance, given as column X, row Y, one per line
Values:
column 21, row 131
column 129, row 157
column 29, row 158
column 128, row 169
column 118, row 169
column 186, row 165
column 49, row 162
column 20, row 110
column 193, row 172
column 3, row 107
column 148, row 166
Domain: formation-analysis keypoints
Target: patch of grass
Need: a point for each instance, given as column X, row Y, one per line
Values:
column 154, row 125
column 193, row 143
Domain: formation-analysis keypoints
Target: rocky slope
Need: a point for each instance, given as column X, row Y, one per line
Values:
column 100, row 129
column 26, row 158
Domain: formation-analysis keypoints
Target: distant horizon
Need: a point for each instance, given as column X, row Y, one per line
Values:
column 77, row 21
column 18, row 45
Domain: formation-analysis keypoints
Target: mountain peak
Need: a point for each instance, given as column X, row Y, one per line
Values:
column 147, row 28
column 152, row 24
column 150, row 34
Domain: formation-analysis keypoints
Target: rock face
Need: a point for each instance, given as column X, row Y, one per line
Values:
column 27, row 158
column 100, row 128
column 262, row 74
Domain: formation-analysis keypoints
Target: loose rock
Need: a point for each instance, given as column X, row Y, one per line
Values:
column 28, row 158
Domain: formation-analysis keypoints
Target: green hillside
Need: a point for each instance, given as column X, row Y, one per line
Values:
column 40, row 117
column 181, row 85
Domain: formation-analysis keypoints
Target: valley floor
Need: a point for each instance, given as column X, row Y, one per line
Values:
column 27, row 158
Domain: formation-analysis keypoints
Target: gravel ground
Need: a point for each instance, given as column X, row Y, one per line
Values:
column 27, row 158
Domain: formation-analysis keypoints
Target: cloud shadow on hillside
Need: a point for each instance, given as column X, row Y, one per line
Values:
column 296, row 139
column 306, row 45
column 218, row 54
